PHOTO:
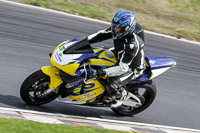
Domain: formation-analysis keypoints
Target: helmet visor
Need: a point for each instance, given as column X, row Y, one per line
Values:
column 119, row 29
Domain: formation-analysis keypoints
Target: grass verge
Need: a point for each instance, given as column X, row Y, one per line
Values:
column 179, row 18
column 26, row 126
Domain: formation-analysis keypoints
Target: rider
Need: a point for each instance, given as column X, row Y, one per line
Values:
column 129, row 49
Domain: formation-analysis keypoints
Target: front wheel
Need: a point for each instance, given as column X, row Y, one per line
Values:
column 34, row 89
column 146, row 92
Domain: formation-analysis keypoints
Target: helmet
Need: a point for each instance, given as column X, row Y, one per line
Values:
column 123, row 23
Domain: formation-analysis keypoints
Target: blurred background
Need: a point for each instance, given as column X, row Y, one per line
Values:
column 179, row 18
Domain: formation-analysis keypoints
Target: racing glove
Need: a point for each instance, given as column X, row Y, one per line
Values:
column 101, row 73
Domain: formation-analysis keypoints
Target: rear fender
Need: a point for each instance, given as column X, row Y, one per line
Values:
column 53, row 73
column 157, row 72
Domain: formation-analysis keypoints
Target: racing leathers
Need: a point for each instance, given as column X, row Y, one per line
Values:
column 131, row 60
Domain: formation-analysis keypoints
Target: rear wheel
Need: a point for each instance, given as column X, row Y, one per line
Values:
column 146, row 92
column 34, row 89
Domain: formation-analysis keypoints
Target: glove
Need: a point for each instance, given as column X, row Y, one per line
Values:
column 101, row 73
column 91, row 73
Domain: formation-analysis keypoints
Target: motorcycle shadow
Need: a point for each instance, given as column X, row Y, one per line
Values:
column 10, row 101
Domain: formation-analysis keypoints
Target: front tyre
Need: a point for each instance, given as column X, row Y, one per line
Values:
column 34, row 89
column 146, row 92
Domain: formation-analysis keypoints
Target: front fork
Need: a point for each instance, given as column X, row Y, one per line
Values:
column 53, row 73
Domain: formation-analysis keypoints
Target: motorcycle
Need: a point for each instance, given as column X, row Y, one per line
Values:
column 71, row 77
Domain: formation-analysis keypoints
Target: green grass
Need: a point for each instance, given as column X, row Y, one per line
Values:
column 25, row 126
column 71, row 8
column 178, row 18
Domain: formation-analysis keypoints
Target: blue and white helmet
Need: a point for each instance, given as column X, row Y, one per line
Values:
column 123, row 24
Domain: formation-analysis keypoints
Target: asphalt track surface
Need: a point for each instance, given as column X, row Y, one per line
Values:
column 27, row 35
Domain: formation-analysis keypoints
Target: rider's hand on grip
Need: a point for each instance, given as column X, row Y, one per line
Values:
column 101, row 73
column 92, row 73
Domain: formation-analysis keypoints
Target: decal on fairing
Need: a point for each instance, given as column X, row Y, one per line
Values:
column 109, row 54
column 107, row 60
column 89, row 86
column 61, row 48
column 89, row 91
column 64, row 59
column 86, row 89
column 87, row 97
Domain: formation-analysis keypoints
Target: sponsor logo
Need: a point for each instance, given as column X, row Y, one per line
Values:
column 109, row 55
column 61, row 48
column 58, row 55
column 131, row 46
column 87, row 96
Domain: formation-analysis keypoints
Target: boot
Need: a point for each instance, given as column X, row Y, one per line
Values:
column 118, row 100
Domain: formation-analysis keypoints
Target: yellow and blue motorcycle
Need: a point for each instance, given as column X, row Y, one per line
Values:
column 71, row 77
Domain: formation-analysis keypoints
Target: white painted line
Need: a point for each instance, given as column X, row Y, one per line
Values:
column 174, row 131
column 117, row 127
column 43, row 119
column 91, row 19
column 171, row 37
column 144, row 124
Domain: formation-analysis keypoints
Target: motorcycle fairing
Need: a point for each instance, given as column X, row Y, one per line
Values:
column 80, row 90
column 90, row 90
column 68, row 63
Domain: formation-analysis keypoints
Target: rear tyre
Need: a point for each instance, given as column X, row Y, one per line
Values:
column 34, row 87
column 146, row 92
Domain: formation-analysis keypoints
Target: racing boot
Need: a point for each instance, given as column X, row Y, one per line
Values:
column 117, row 91
column 118, row 98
